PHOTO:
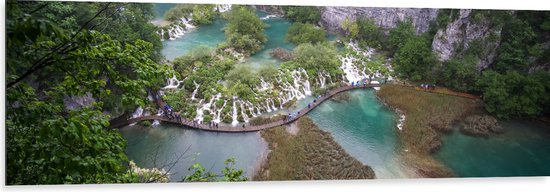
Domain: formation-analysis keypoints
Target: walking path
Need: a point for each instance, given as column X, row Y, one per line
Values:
column 120, row 122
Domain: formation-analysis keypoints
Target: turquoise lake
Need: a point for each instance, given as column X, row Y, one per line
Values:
column 363, row 126
column 522, row 150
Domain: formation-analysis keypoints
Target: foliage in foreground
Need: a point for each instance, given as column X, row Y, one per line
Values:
column 229, row 173
column 47, row 142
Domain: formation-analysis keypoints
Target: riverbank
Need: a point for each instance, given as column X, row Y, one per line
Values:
column 306, row 152
column 428, row 116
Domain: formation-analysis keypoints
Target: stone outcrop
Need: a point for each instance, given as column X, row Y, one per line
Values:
column 332, row 17
column 459, row 35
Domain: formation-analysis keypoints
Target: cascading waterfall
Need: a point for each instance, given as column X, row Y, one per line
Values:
column 243, row 113
column 234, row 115
column 217, row 118
column 136, row 114
column 351, row 71
column 263, row 85
column 223, row 7
column 173, row 83
column 195, row 91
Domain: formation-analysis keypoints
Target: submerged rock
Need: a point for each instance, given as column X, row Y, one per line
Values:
column 481, row 125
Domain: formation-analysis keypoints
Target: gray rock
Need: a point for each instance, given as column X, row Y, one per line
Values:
column 332, row 17
column 453, row 40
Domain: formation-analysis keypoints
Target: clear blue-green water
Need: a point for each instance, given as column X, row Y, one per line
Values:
column 205, row 35
column 161, row 8
column 364, row 127
column 522, row 150
column 167, row 142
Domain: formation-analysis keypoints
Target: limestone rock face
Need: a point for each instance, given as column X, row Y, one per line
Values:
column 332, row 17
column 466, row 31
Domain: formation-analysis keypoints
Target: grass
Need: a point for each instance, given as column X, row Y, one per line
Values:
column 312, row 154
column 428, row 115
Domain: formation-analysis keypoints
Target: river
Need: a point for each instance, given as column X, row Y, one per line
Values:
column 364, row 127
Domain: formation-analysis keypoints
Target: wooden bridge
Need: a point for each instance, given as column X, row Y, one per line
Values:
column 121, row 122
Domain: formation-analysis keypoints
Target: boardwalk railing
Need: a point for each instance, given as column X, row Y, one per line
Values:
column 240, row 127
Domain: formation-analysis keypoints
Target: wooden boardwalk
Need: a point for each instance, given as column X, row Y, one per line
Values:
column 119, row 122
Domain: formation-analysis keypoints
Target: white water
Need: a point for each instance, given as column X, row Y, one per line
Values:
column 268, row 17
column 223, row 8
column 234, row 115
column 137, row 113
column 401, row 121
column 195, row 91
column 173, row 83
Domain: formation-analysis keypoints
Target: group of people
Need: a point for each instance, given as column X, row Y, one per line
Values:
column 171, row 114
column 427, row 86
column 358, row 83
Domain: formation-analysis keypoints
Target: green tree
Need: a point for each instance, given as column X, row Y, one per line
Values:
column 303, row 14
column 518, row 47
column 300, row 33
column 244, row 30
column 204, row 14
column 459, row 74
column 315, row 59
column 242, row 74
column 365, row 31
column 48, row 143
column 229, row 173
column 414, row 60
column 178, row 12
column 400, row 34
column 513, row 94
column 268, row 72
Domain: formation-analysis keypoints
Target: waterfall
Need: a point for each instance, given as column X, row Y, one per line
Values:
column 263, row 85
column 217, row 118
column 267, row 107
column 223, row 8
column 273, row 104
column 234, row 115
column 136, row 114
column 156, row 123
column 243, row 113
column 173, row 83
column 195, row 91
column 349, row 63
column 268, row 17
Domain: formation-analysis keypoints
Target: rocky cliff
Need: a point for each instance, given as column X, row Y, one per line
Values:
column 466, row 34
column 470, row 31
column 332, row 17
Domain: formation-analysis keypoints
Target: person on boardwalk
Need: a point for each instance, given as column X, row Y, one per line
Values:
column 309, row 105
column 243, row 125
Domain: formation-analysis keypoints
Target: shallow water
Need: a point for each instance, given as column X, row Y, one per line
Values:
column 209, row 148
column 523, row 150
column 366, row 129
